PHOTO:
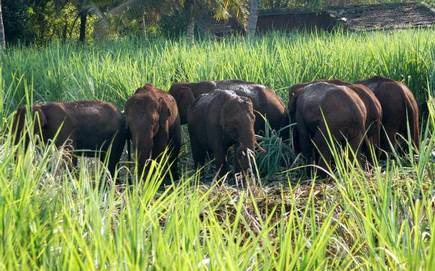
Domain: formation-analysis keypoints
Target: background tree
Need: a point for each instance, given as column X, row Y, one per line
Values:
column 2, row 29
column 191, row 10
column 85, row 9
column 253, row 17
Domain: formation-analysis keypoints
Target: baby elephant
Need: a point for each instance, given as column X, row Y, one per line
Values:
column 321, row 106
column 154, row 125
column 84, row 126
column 218, row 120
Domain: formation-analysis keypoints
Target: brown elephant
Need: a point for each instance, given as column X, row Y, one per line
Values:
column 85, row 127
column 400, row 110
column 154, row 125
column 218, row 120
column 320, row 106
column 265, row 101
column 186, row 93
column 373, row 108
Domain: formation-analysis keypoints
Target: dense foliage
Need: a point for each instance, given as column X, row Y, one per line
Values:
column 41, row 21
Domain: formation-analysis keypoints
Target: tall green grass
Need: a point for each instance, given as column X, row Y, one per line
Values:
column 51, row 218
column 112, row 70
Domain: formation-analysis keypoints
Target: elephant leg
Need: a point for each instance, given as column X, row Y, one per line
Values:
column 371, row 144
column 355, row 144
column 220, row 154
column 388, row 138
column 375, row 135
column 304, row 142
column 366, row 148
column 281, row 126
column 142, row 154
column 176, row 143
column 198, row 152
column 66, row 139
column 325, row 155
column 162, row 144
column 115, row 153
column 259, row 124
column 68, row 153
column 295, row 138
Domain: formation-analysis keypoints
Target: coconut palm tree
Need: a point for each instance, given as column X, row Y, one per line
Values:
column 84, row 9
column 253, row 17
column 222, row 9
column 2, row 29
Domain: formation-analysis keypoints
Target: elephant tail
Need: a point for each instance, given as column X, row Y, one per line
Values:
column 412, row 115
column 127, row 135
column 128, row 149
column 128, row 138
column 412, row 112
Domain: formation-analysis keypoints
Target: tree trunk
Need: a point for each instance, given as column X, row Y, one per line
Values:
column 83, row 22
column 189, row 11
column 143, row 25
column 65, row 31
column 253, row 16
column 2, row 29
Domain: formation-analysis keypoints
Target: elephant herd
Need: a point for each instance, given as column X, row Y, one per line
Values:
column 370, row 116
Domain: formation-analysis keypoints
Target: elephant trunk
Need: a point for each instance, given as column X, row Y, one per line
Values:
column 246, row 142
column 143, row 145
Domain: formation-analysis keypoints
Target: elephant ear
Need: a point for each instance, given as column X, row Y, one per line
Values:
column 184, row 97
column 164, row 113
column 228, row 118
column 246, row 99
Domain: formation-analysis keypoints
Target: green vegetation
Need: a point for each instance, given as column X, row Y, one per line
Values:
column 51, row 218
column 42, row 21
column 112, row 70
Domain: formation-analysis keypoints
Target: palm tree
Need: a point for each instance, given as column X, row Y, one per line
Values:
column 2, row 29
column 191, row 9
column 84, row 9
column 253, row 17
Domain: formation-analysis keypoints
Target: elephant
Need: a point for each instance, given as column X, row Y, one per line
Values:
column 218, row 120
column 373, row 108
column 400, row 110
column 265, row 101
column 154, row 125
column 85, row 127
column 320, row 106
column 186, row 93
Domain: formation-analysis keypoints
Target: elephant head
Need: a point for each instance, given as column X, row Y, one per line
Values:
column 19, row 121
column 237, row 120
column 184, row 97
column 148, row 122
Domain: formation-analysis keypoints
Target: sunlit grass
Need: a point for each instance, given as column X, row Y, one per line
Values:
column 52, row 217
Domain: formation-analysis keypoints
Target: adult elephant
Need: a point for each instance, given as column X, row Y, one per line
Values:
column 154, row 125
column 400, row 110
column 85, row 127
column 267, row 105
column 372, row 105
column 218, row 120
column 321, row 107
